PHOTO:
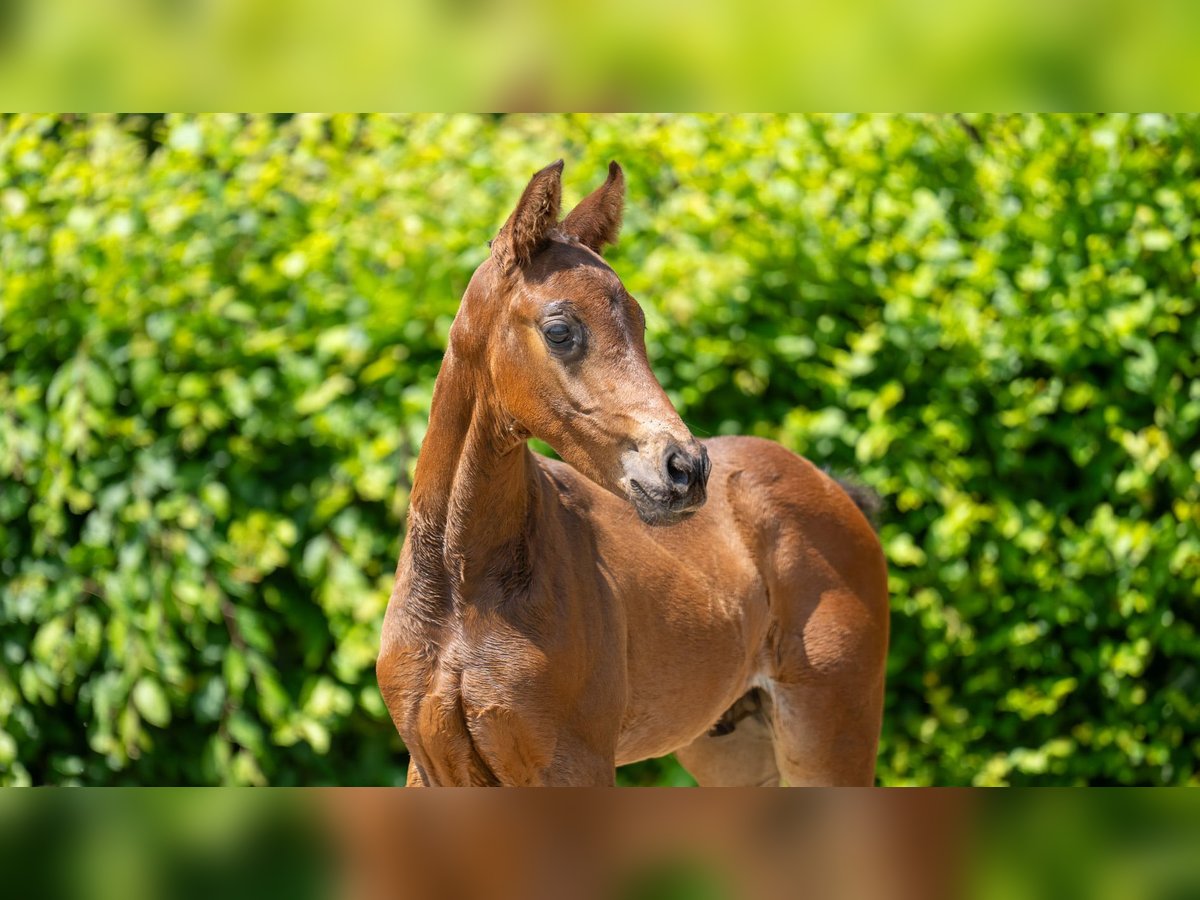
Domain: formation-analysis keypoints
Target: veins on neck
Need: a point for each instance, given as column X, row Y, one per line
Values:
column 473, row 490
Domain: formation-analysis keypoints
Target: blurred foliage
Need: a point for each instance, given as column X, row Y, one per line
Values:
column 218, row 340
column 1122, row 845
column 183, row 844
column 627, row 54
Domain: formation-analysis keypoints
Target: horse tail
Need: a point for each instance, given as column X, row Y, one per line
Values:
column 866, row 499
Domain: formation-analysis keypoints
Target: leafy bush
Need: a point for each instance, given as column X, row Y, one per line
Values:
column 219, row 335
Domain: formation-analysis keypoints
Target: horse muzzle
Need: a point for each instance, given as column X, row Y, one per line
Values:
column 673, row 486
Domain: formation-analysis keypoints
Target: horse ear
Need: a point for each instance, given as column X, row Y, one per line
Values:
column 530, row 224
column 596, row 221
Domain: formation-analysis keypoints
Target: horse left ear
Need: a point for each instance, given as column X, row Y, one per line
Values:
column 531, row 223
column 596, row 221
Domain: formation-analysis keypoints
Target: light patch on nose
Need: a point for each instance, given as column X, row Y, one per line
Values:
column 659, row 495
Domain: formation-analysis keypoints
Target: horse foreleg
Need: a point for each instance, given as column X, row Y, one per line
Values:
column 415, row 778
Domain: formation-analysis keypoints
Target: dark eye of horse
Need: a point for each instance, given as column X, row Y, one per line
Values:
column 558, row 333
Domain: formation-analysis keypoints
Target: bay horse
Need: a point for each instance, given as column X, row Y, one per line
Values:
column 723, row 600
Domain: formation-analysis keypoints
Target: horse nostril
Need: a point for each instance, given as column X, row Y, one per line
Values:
column 679, row 469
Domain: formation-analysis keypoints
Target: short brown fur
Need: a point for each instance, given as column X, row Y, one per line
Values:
column 552, row 620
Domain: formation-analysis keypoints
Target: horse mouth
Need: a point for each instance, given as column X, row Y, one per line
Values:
column 654, row 510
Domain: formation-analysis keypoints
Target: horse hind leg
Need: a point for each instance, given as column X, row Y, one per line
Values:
column 823, row 737
column 826, row 727
column 739, row 750
column 826, row 689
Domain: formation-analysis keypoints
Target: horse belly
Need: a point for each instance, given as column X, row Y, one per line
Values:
column 690, row 659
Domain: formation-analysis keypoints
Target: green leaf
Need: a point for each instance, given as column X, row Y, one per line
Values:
column 151, row 701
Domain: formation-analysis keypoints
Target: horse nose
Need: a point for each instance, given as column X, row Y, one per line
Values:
column 687, row 472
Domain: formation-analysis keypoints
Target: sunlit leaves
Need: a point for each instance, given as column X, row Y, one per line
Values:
column 218, row 339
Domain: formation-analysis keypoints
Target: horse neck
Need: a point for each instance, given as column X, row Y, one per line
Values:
column 474, row 483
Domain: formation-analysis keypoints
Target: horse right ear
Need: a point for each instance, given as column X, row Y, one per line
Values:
column 529, row 226
column 596, row 221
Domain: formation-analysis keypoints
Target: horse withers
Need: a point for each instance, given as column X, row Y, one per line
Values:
column 724, row 600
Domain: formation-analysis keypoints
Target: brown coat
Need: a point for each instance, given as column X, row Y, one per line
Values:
column 725, row 600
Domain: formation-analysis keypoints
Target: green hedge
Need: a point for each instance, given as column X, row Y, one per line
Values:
column 219, row 335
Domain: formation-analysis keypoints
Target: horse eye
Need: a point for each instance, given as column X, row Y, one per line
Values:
column 558, row 333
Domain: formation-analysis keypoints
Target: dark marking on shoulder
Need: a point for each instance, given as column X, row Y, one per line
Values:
column 512, row 568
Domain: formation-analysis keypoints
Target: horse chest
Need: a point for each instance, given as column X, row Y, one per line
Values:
column 483, row 702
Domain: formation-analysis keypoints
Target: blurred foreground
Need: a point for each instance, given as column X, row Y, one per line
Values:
column 529, row 54
column 362, row 845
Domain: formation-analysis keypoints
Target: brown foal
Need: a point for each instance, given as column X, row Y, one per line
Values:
column 551, row 620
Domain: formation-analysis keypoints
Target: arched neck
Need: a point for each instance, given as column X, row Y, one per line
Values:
column 474, row 485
